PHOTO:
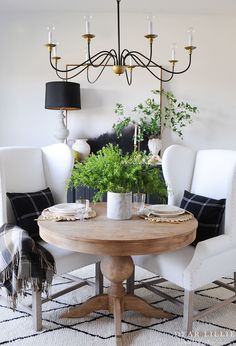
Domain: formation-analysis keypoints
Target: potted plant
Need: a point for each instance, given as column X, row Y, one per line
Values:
column 150, row 118
column 119, row 175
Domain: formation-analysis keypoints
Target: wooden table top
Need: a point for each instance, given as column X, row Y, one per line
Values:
column 103, row 236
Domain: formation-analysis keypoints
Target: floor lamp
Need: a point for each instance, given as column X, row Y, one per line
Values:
column 62, row 96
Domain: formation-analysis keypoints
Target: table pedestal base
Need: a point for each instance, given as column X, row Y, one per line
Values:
column 117, row 269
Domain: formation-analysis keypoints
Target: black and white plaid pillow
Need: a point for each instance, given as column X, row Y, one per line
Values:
column 28, row 206
column 207, row 211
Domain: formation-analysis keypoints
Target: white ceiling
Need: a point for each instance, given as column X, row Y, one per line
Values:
column 226, row 7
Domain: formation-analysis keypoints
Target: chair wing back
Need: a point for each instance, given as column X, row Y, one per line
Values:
column 210, row 173
column 58, row 162
column 178, row 165
column 21, row 170
column 25, row 169
column 213, row 173
column 214, row 176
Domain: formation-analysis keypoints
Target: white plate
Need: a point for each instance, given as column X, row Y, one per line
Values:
column 66, row 208
column 164, row 210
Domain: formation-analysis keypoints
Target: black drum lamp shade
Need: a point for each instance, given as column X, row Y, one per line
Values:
column 62, row 95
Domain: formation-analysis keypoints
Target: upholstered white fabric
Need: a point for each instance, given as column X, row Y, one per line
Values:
column 26, row 169
column 57, row 159
column 177, row 165
column 213, row 173
column 21, row 170
column 210, row 173
column 164, row 263
column 67, row 261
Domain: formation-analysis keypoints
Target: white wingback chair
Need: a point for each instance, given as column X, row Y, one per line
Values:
column 27, row 169
column 210, row 173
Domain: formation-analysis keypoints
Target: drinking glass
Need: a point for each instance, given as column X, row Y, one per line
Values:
column 139, row 201
column 82, row 209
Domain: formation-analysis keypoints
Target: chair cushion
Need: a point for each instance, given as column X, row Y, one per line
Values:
column 68, row 261
column 28, row 206
column 169, row 265
column 207, row 211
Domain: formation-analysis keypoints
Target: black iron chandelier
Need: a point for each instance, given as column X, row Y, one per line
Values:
column 121, row 61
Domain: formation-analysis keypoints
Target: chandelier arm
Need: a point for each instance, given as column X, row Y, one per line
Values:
column 130, row 53
column 62, row 78
column 172, row 71
column 78, row 73
column 123, row 57
column 86, row 67
column 101, row 62
column 115, row 60
column 83, row 69
column 137, row 54
column 186, row 69
column 129, row 80
column 139, row 61
column 71, row 77
column 59, row 70
column 91, row 60
column 123, row 51
column 157, row 65
column 159, row 78
column 102, row 52
column 100, row 73
column 144, row 56
column 80, row 65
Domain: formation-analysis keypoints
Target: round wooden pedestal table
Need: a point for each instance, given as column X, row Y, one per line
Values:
column 117, row 241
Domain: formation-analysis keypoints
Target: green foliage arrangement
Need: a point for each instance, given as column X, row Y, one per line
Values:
column 176, row 116
column 109, row 170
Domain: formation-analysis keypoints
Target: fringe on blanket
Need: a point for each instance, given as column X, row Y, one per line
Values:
column 24, row 264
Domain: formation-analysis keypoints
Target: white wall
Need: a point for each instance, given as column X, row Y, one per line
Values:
column 24, row 69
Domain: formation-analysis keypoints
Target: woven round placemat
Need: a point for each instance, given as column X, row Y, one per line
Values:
column 49, row 215
column 175, row 219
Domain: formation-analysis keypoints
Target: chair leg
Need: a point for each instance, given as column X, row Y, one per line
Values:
column 130, row 283
column 36, row 310
column 235, row 282
column 188, row 311
column 98, row 279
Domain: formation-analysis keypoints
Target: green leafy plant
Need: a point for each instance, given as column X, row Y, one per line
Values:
column 109, row 170
column 175, row 115
column 148, row 115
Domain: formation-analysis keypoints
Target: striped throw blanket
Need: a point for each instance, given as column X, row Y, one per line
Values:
column 23, row 263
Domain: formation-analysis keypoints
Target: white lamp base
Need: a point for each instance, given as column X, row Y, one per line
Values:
column 61, row 132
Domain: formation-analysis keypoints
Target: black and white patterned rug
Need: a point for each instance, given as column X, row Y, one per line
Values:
column 218, row 328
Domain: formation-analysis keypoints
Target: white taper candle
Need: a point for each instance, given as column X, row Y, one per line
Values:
column 190, row 36
column 173, row 53
column 150, row 27
column 49, row 37
column 87, row 25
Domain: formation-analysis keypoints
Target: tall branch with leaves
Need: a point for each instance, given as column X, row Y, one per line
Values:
column 175, row 115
